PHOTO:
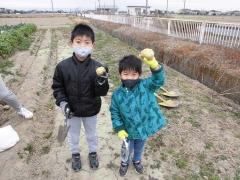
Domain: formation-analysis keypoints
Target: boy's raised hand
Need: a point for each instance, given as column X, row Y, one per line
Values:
column 122, row 134
column 147, row 56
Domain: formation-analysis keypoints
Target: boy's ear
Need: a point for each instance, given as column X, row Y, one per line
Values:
column 94, row 45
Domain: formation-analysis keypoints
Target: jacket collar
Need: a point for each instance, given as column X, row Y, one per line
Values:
column 85, row 62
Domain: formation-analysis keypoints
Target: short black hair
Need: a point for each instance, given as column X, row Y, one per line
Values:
column 131, row 63
column 83, row 30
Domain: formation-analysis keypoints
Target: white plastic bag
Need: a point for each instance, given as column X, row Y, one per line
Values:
column 8, row 138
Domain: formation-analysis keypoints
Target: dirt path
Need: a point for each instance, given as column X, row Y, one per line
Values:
column 201, row 140
column 38, row 155
column 56, row 164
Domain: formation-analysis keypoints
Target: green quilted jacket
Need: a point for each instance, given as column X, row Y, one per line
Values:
column 136, row 111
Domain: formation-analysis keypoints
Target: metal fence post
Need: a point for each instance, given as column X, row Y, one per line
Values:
column 169, row 27
column 203, row 29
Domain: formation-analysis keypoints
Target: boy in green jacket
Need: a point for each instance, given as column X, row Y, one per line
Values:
column 134, row 109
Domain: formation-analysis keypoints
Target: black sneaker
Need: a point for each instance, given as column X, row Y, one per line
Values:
column 138, row 167
column 76, row 162
column 93, row 160
column 123, row 169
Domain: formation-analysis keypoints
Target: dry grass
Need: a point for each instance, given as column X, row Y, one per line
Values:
column 214, row 66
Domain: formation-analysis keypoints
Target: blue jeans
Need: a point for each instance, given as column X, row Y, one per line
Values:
column 136, row 147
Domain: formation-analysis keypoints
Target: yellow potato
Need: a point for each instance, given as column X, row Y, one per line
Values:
column 147, row 53
column 100, row 71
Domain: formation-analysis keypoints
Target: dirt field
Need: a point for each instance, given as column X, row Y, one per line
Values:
column 41, row 20
column 201, row 140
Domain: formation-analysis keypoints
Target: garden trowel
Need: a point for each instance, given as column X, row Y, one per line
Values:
column 167, row 93
column 167, row 103
column 125, row 151
column 63, row 131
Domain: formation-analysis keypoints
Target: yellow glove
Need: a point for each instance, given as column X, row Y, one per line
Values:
column 100, row 71
column 122, row 134
column 147, row 55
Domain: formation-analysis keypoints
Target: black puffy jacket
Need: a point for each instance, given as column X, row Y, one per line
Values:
column 78, row 84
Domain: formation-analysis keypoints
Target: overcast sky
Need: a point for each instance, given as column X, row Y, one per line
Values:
column 223, row 5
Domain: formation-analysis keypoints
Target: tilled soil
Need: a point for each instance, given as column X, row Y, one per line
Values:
column 201, row 140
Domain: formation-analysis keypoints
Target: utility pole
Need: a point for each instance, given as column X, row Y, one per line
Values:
column 146, row 7
column 167, row 8
column 52, row 5
column 184, row 4
column 114, row 6
column 99, row 6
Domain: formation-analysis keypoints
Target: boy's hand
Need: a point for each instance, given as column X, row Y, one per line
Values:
column 65, row 109
column 147, row 55
column 100, row 71
column 122, row 134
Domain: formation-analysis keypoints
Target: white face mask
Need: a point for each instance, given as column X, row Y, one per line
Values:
column 82, row 51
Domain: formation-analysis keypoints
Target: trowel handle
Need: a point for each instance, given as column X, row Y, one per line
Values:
column 69, row 115
column 162, row 88
column 126, row 142
column 65, row 121
column 159, row 97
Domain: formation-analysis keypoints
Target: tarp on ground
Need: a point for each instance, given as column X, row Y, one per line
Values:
column 8, row 138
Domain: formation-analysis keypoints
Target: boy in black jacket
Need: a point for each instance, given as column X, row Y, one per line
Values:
column 78, row 83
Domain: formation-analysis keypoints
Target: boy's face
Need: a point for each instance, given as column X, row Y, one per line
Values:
column 82, row 42
column 129, row 74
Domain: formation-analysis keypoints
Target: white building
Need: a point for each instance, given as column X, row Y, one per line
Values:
column 138, row 10
column 107, row 10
